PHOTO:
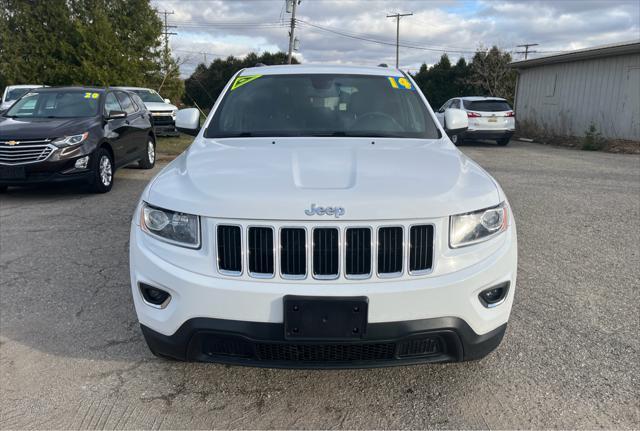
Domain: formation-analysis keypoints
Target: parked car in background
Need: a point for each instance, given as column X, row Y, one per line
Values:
column 80, row 134
column 489, row 118
column 14, row 92
column 335, row 227
column 162, row 111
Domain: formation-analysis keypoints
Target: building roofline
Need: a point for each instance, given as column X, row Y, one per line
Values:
column 620, row 48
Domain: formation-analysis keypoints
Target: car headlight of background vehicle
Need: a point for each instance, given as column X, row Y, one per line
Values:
column 68, row 141
column 171, row 226
column 174, row 113
column 478, row 226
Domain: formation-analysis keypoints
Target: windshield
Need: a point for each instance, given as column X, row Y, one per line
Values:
column 149, row 96
column 56, row 104
column 487, row 105
column 16, row 93
column 322, row 105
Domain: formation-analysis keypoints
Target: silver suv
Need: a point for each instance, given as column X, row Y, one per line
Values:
column 162, row 111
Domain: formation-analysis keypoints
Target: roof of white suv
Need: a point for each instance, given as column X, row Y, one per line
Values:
column 300, row 68
column 476, row 98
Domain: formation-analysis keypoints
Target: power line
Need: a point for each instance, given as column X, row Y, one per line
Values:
column 526, row 49
column 367, row 38
column 397, row 16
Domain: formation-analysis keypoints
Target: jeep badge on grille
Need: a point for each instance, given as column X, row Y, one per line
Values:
column 337, row 212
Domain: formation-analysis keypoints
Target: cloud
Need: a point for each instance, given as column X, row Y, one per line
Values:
column 221, row 28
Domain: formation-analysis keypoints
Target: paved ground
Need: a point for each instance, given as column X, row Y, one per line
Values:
column 72, row 356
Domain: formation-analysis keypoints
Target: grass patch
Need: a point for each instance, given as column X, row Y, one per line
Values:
column 173, row 145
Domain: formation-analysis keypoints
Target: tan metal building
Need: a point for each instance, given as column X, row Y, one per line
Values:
column 561, row 95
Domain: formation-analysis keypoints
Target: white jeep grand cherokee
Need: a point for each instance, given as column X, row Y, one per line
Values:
column 322, row 218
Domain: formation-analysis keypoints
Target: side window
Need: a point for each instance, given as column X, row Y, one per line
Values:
column 138, row 101
column 455, row 104
column 445, row 106
column 111, row 104
column 126, row 103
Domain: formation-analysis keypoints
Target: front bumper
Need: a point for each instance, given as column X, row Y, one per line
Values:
column 264, row 345
column 164, row 125
column 60, row 171
column 208, row 310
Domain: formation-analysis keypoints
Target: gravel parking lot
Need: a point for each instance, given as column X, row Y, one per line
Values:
column 72, row 355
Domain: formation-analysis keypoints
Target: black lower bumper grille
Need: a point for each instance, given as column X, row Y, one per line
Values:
column 325, row 352
column 230, row 346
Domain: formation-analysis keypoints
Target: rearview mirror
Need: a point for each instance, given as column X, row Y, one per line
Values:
column 112, row 115
column 455, row 121
column 188, row 121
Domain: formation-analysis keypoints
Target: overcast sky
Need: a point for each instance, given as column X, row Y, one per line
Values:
column 221, row 28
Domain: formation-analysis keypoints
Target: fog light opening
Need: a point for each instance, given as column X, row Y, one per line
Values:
column 494, row 296
column 154, row 297
column 82, row 162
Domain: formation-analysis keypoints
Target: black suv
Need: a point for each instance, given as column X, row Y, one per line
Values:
column 74, row 134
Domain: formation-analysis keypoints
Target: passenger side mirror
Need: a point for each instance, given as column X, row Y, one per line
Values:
column 167, row 101
column 441, row 110
column 188, row 121
column 455, row 121
column 113, row 115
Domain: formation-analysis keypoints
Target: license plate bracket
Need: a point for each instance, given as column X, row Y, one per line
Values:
column 12, row 173
column 325, row 318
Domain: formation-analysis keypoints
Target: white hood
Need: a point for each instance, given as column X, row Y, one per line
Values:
column 160, row 106
column 253, row 178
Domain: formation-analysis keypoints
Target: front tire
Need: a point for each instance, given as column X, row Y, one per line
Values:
column 102, row 172
column 502, row 142
column 149, row 159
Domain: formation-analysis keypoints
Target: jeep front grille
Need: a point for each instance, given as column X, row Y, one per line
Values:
column 230, row 250
column 23, row 152
column 390, row 248
column 261, row 252
column 293, row 252
column 324, row 252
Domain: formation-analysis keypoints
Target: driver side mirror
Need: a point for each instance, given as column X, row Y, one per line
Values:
column 455, row 121
column 168, row 101
column 440, row 111
column 188, row 121
column 113, row 115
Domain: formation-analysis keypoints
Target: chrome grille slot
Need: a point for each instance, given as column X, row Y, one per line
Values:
column 390, row 255
column 260, row 245
column 358, row 252
column 326, row 253
column 420, row 249
column 229, row 249
column 293, row 253
column 24, row 152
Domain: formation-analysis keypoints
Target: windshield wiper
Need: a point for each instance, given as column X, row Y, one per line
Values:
column 319, row 134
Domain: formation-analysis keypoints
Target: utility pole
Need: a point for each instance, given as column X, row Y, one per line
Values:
column 397, row 16
column 166, row 34
column 293, row 3
column 526, row 49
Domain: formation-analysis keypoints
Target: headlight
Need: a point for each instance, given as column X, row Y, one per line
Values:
column 170, row 226
column 478, row 226
column 174, row 113
column 68, row 141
